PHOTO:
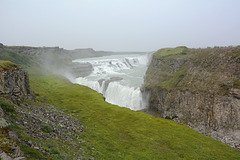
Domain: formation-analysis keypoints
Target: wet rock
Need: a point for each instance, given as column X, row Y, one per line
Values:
column 81, row 69
column 107, row 82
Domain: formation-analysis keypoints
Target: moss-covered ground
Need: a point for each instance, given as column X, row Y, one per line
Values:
column 119, row 133
column 209, row 70
column 17, row 58
column 7, row 65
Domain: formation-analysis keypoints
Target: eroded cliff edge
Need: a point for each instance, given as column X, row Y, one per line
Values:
column 14, row 82
column 199, row 88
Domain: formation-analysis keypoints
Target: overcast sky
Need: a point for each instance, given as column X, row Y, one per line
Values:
column 120, row 25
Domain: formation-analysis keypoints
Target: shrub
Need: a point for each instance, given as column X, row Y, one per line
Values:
column 183, row 53
column 46, row 128
column 7, row 107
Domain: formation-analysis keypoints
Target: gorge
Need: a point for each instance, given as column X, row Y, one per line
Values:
column 197, row 88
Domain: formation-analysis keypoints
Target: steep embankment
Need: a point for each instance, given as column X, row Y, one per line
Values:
column 31, row 129
column 120, row 133
column 198, row 87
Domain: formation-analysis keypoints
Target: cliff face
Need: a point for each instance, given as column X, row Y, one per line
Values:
column 199, row 88
column 14, row 82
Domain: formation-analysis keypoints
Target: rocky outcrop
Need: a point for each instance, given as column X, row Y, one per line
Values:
column 199, row 88
column 80, row 69
column 15, row 83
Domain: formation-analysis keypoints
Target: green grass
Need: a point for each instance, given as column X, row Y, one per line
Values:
column 161, row 73
column 119, row 133
column 17, row 58
column 49, row 145
column 46, row 128
column 7, row 65
column 7, row 107
column 32, row 153
column 169, row 81
column 166, row 53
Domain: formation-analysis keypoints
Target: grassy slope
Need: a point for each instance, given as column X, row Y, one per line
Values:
column 205, row 70
column 161, row 74
column 119, row 133
column 166, row 53
column 17, row 58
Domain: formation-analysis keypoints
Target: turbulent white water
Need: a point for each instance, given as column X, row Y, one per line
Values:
column 118, row 78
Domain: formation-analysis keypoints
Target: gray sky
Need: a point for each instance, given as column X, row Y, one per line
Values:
column 120, row 25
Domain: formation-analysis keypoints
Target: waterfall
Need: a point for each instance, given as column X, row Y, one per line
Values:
column 118, row 78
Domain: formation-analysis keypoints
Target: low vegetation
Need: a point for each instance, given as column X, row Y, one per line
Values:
column 46, row 128
column 7, row 65
column 119, row 133
column 6, row 106
column 17, row 58
column 205, row 70
column 168, row 53
column 166, row 71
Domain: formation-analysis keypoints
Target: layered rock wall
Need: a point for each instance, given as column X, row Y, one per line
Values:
column 200, row 88
column 15, row 83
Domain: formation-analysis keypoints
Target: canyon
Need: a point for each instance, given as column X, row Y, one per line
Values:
column 199, row 88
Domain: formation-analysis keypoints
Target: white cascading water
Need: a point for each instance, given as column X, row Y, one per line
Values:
column 118, row 78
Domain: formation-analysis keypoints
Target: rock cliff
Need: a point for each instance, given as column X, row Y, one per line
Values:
column 14, row 82
column 199, row 88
